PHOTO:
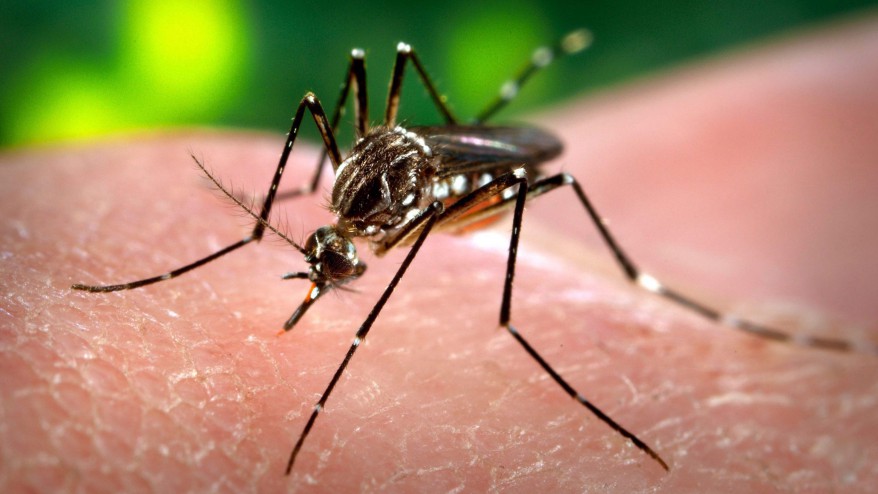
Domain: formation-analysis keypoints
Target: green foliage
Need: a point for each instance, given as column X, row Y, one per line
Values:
column 74, row 70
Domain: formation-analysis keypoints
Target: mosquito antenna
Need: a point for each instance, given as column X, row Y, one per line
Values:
column 243, row 206
column 574, row 42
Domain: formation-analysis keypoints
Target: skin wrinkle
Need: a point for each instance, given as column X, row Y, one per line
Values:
column 253, row 390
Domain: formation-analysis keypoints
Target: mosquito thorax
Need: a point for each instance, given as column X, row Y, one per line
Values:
column 386, row 178
column 332, row 256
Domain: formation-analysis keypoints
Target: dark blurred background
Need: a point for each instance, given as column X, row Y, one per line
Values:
column 76, row 70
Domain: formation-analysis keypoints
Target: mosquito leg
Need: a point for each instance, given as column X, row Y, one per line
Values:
column 582, row 400
column 355, row 78
column 644, row 280
column 309, row 102
column 505, row 313
column 405, row 52
column 413, row 229
column 458, row 212
column 166, row 276
column 431, row 213
column 573, row 42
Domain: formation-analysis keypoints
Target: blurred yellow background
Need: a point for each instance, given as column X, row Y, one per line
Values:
column 78, row 70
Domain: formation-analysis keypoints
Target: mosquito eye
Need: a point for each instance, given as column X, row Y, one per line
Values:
column 311, row 242
column 337, row 266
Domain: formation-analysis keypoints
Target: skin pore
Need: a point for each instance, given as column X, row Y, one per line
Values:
column 748, row 182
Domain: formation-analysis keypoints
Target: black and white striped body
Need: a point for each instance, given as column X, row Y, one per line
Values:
column 384, row 182
column 400, row 184
column 393, row 174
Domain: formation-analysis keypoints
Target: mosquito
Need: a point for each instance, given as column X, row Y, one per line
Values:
column 399, row 184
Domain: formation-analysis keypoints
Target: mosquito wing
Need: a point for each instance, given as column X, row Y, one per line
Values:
column 472, row 148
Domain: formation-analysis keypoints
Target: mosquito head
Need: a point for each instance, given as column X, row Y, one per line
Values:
column 334, row 262
column 332, row 256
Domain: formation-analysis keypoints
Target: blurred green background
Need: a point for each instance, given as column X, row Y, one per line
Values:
column 77, row 70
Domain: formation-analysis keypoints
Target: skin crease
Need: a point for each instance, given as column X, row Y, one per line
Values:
column 747, row 181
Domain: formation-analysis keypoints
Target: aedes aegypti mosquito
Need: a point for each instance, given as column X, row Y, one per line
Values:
column 399, row 184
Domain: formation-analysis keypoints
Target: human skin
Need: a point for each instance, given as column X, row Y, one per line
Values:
column 748, row 182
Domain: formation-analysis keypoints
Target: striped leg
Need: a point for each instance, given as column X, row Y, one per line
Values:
column 310, row 103
column 648, row 282
column 355, row 79
column 458, row 212
column 431, row 214
column 573, row 42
